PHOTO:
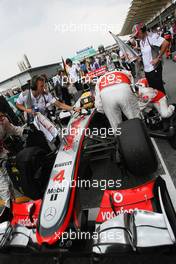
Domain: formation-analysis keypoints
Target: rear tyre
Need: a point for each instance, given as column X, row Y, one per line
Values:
column 136, row 148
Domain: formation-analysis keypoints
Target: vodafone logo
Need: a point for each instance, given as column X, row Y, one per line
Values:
column 118, row 197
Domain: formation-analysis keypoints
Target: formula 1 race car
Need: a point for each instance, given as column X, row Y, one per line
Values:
column 104, row 186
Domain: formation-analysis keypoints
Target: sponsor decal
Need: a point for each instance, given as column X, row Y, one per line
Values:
column 98, row 72
column 50, row 214
column 54, row 193
column 59, row 177
column 27, row 222
column 53, row 197
column 118, row 197
column 55, row 190
column 63, row 164
column 110, row 215
column 75, row 126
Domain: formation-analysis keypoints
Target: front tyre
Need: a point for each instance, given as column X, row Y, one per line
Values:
column 136, row 148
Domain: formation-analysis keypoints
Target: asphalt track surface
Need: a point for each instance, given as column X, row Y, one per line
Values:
column 167, row 152
column 168, row 160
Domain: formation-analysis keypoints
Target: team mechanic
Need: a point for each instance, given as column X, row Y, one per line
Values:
column 6, row 190
column 114, row 96
column 148, row 95
column 38, row 98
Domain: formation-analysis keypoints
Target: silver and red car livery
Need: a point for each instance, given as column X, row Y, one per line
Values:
column 58, row 203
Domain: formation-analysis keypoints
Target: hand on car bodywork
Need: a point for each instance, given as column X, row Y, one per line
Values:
column 77, row 109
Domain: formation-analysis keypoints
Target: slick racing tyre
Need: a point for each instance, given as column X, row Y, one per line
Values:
column 34, row 170
column 136, row 148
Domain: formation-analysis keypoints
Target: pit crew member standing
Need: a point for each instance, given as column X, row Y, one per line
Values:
column 74, row 74
column 6, row 129
column 115, row 59
column 114, row 96
column 152, row 49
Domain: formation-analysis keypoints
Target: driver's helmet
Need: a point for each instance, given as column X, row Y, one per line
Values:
column 87, row 100
column 143, row 82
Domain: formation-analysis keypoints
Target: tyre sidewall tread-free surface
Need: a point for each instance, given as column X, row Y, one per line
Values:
column 136, row 148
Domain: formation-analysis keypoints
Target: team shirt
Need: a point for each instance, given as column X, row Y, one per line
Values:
column 146, row 50
column 41, row 102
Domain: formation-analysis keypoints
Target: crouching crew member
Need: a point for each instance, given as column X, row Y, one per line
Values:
column 157, row 98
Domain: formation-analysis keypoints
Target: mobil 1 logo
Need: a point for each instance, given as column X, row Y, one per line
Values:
column 54, row 192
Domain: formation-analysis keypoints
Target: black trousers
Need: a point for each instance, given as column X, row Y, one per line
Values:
column 117, row 64
column 66, row 96
column 78, row 86
column 155, row 78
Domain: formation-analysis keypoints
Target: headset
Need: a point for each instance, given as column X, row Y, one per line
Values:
column 68, row 61
column 144, row 29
